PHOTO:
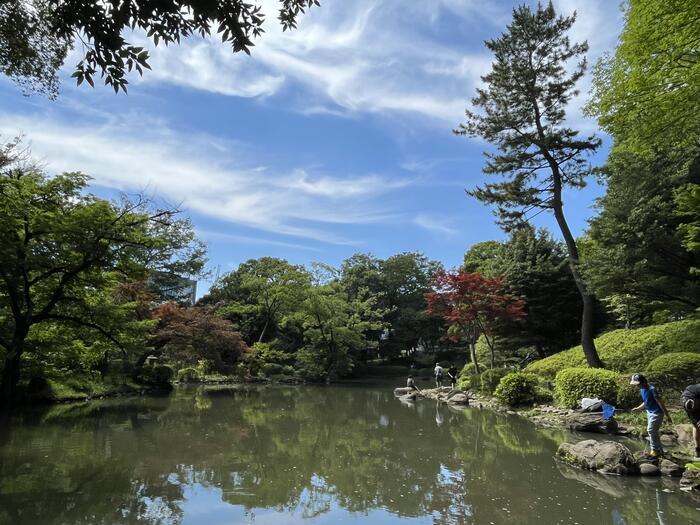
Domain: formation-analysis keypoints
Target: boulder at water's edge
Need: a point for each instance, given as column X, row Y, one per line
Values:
column 607, row 457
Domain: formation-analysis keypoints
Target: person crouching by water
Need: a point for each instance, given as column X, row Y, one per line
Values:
column 690, row 399
column 651, row 400
column 410, row 383
column 452, row 374
column 439, row 373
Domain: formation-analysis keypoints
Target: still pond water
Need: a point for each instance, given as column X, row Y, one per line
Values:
column 304, row 455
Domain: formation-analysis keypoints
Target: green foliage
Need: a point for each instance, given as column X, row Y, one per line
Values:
column 517, row 388
column 272, row 369
column 65, row 255
column 633, row 257
column 628, row 350
column 490, row 378
column 36, row 35
column 572, row 384
column 188, row 375
column 155, row 375
column 481, row 258
column 647, row 94
column 687, row 200
column 467, row 377
column 259, row 294
column 674, row 371
column 334, row 331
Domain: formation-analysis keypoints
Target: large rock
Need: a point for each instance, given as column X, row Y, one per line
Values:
column 691, row 479
column 459, row 398
column 684, row 433
column 591, row 422
column 402, row 391
column 607, row 457
column 408, row 398
column 669, row 468
column 649, row 469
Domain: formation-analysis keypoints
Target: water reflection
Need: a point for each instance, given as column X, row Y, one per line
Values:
column 334, row 454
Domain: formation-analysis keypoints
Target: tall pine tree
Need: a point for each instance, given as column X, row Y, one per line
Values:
column 522, row 112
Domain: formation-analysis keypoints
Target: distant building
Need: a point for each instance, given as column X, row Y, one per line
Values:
column 171, row 287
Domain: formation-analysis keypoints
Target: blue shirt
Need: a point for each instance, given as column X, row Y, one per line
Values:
column 649, row 396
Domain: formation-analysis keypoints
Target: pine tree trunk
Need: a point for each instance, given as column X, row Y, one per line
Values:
column 589, row 349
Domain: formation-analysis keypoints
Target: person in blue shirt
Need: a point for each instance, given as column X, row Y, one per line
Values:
column 651, row 401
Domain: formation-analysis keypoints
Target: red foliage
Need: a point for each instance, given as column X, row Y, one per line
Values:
column 470, row 303
column 190, row 334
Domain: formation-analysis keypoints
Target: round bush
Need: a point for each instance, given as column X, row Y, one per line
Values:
column 272, row 369
column 156, row 375
column 674, row 371
column 188, row 375
column 572, row 384
column 628, row 351
column 517, row 388
column 489, row 379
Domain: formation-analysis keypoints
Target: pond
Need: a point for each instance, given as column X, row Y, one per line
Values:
column 304, row 455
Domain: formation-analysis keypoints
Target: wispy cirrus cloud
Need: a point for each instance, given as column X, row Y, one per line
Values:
column 370, row 56
column 439, row 225
column 132, row 155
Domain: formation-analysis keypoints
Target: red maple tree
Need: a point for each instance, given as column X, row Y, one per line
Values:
column 471, row 304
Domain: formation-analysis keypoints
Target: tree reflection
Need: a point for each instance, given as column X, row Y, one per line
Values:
column 301, row 450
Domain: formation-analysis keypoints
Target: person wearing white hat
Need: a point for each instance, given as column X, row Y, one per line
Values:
column 656, row 410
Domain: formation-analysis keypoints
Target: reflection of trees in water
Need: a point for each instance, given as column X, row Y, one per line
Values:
column 305, row 450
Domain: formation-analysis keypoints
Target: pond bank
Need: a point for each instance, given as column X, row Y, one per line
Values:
column 549, row 416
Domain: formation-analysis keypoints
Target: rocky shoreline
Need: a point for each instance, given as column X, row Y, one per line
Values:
column 604, row 457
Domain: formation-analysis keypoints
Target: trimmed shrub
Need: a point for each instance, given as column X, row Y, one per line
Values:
column 572, row 384
column 674, row 371
column 628, row 350
column 489, row 379
column 155, row 375
column 188, row 375
column 517, row 388
column 272, row 369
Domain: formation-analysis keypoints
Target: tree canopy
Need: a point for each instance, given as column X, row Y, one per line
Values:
column 647, row 93
column 36, row 35
column 62, row 249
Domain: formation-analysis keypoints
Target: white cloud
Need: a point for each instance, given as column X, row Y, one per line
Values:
column 434, row 224
column 369, row 56
column 132, row 155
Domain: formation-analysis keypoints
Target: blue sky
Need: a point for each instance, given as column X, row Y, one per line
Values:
column 330, row 140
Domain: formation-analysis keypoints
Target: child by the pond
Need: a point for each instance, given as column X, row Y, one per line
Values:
column 452, row 374
column 411, row 383
column 690, row 399
column 656, row 410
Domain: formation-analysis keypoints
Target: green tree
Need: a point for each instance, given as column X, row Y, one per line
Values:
column 523, row 114
column 647, row 94
column 334, row 331
column 687, row 200
column 405, row 281
column 534, row 267
column 260, row 293
column 635, row 259
column 61, row 247
column 481, row 258
column 36, row 35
